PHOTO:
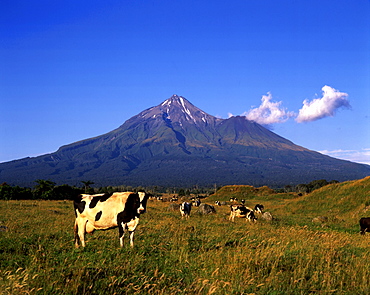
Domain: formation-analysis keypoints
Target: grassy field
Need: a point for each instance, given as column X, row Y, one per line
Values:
column 201, row 255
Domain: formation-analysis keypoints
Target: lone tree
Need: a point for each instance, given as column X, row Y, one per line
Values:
column 87, row 184
column 43, row 189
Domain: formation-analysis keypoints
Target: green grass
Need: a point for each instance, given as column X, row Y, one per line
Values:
column 202, row 255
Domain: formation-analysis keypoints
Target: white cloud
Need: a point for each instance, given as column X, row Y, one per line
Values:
column 323, row 107
column 268, row 112
column 358, row 156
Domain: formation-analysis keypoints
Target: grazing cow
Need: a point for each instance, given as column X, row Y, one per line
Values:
column 185, row 209
column 242, row 211
column 259, row 208
column 218, row 203
column 364, row 224
column 106, row 211
column 196, row 202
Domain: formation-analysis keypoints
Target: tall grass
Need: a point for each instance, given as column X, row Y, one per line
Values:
column 202, row 255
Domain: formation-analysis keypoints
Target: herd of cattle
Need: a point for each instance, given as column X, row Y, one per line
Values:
column 123, row 210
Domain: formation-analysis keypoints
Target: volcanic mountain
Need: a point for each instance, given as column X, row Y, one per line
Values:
column 177, row 144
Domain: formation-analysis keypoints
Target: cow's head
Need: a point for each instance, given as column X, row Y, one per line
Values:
column 143, row 197
column 259, row 208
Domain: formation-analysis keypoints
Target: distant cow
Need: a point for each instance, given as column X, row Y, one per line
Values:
column 185, row 209
column 195, row 202
column 365, row 224
column 106, row 211
column 259, row 208
column 242, row 211
column 174, row 199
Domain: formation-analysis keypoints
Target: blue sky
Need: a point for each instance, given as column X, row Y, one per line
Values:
column 72, row 70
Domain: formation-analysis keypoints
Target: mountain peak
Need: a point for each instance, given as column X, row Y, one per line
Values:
column 177, row 101
column 173, row 98
column 178, row 109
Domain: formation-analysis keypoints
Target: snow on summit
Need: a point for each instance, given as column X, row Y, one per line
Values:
column 179, row 109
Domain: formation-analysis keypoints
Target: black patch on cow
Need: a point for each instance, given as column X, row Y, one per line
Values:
column 97, row 199
column 98, row 215
column 243, row 210
column 252, row 216
column 79, row 204
column 130, row 211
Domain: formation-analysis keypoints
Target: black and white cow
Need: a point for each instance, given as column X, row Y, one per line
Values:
column 195, row 202
column 242, row 211
column 259, row 208
column 185, row 209
column 106, row 211
column 364, row 224
column 174, row 199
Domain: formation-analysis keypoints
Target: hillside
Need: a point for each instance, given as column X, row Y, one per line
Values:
column 242, row 192
column 341, row 204
column 345, row 200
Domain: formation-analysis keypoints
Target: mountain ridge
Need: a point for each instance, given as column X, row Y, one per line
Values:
column 174, row 144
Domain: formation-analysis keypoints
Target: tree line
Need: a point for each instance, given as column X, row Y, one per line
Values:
column 48, row 190
column 305, row 188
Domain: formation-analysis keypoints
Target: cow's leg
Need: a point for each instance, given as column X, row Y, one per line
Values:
column 121, row 233
column 81, row 229
column 131, row 226
column 75, row 229
column 132, row 238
